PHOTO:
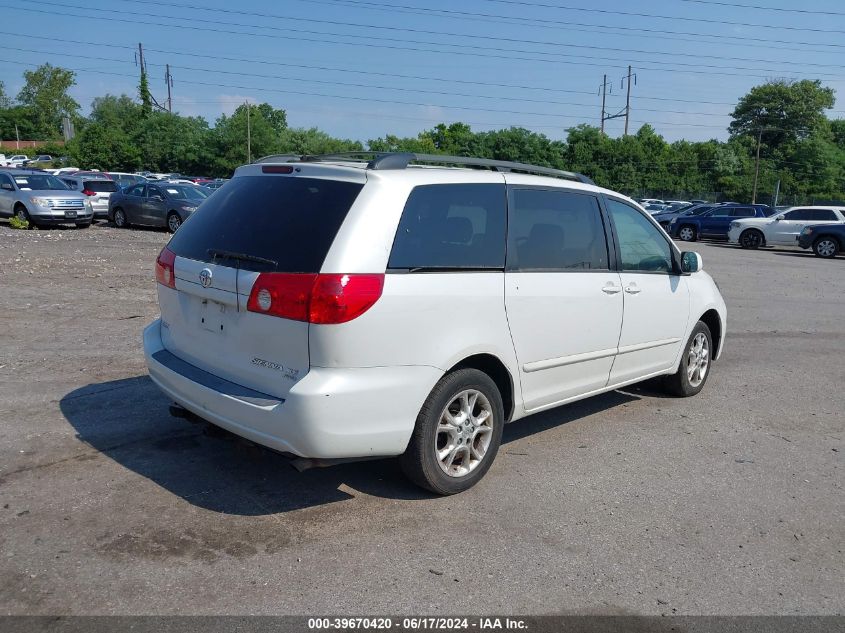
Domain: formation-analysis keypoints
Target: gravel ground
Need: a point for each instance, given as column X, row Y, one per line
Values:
column 727, row 503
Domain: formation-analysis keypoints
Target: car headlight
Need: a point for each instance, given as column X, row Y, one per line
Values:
column 41, row 202
column 88, row 204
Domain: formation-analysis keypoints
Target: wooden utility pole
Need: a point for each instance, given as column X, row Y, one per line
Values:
column 141, row 58
column 757, row 167
column 168, row 79
column 603, row 95
column 628, row 102
column 248, row 135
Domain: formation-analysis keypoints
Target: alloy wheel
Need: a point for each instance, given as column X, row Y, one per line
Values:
column 826, row 248
column 463, row 433
column 698, row 359
column 173, row 222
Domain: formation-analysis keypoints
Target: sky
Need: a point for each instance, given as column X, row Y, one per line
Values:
column 361, row 69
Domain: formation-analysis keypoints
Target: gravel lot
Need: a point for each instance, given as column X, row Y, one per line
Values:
column 727, row 503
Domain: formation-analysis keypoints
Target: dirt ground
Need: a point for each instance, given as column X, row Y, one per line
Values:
column 727, row 503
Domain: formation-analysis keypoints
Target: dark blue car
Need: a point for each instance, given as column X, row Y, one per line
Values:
column 715, row 222
column 826, row 240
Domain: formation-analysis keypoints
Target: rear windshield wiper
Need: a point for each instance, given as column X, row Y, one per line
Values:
column 241, row 257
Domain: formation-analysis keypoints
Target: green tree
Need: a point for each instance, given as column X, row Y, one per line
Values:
column 46, row 94
column 786, row 111
column 314, row 141
column 230, row 135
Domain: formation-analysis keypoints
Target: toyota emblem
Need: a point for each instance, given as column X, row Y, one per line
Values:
column 205, row 277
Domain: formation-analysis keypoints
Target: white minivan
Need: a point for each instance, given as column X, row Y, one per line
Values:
column 355, row 306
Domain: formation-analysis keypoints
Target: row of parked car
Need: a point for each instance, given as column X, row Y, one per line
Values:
column 752, row 226
column 70, row 196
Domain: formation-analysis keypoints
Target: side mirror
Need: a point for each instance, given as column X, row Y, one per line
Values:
column 779, row 218
column 691, row 262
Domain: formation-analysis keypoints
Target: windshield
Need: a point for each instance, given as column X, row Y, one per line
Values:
column 186, row 192
column 39, row 182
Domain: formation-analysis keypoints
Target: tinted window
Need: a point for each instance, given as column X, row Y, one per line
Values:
column 5, row 180
column 719, row 212
column 100, row 186
column 641, row 245
column 743, row 212
column 449, row 226
column 822, row 215
column 555, row 230
column 137, row 190
column 71, row 184
column 289, row 222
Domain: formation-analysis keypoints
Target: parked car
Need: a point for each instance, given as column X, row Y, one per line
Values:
column 645, row 201
column 43, row 158
column 42, row 199
column 17, row 160
column 782, row 228
column 155, row 204
column 213, row 185
column 654, row 208
column 335, row 309
column 826, row 240
column 3, row 160
column 124, row 179
column 98, row 189
column 665, row 218
column 713, row 223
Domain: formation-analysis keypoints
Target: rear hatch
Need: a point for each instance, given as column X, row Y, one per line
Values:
column 258, row 223
column 101, row 189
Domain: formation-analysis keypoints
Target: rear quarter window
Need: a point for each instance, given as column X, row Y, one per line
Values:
column 452, row 226
column 289, row 222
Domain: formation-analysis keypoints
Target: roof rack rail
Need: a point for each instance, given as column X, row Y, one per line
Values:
column 401, row 160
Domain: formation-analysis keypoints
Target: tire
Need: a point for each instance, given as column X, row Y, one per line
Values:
column 22, row 214
column 119, row 218
column 687, row 233
column 174, row 221
column 699, row 348
column 83, row 225
column 826, row 247
column 751, row 238
column 443, row 423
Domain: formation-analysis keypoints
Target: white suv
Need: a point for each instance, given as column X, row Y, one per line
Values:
column 333, row 308
column 782, row 228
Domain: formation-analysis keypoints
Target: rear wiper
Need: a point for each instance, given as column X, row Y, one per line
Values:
column 241, row 257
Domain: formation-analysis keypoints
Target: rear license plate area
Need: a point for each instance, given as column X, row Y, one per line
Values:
column 212, row 316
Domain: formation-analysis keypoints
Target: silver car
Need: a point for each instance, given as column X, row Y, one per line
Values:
column 97, row 188
column 42, row 199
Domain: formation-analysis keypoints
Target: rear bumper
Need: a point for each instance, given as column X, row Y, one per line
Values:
column 330, row 413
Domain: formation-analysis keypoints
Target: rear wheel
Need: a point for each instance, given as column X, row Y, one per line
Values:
column 173, row 221
column 751, row 238
column 826, row 247
column 695, row 364
column 687, row 233
column 457, row 433
column 119, row 216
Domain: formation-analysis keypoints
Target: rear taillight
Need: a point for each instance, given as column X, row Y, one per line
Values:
column 165, row 270
column 324, row 299
column 88, row 192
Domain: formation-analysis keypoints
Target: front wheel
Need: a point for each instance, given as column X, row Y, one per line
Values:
column 687, row 233
column 825, row 247
column 751, row 238
column 457, row 433
column 695, row 364
column 173, row 221
column 119, row 216
column 23, row 215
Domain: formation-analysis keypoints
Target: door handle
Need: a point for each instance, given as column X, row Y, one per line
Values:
column 632, row 289
column 611, row 289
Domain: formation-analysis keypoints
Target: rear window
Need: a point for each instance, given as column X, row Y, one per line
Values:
column 279, row 224
column 100, row 186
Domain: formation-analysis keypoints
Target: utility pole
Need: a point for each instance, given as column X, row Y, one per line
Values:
column 603, row 95
column 141, row 58
column 168, row 79
column 777, row 194
column 248, row 135
column 757, row 167
column 628, row 101
column 17, row 137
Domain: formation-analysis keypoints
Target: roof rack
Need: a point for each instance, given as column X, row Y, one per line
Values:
column 401, row 160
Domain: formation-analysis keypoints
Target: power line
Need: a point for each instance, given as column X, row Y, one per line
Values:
column 462, row 35
column 333, row 82
column 661, row 17
column 486, row 51
column 567, row 25
column 288, row 64
column 762, row 8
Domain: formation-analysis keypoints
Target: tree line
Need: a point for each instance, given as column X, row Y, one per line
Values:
column 799, row 146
